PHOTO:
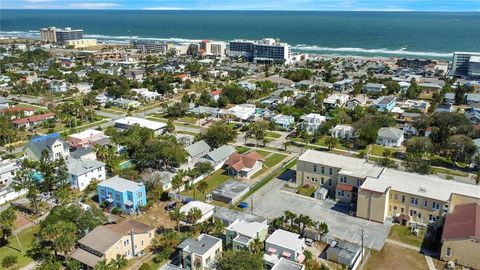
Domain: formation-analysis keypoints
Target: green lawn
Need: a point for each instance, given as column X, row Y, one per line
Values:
column 188, row 119
column 214, row 180
column 242, row 149
column 449, row 172
column 274, row 160
column 306, row 191
column 26, row 238
column 403, row 234
column 114, row 110
column 156, row 119
column 377, row 150
column 262, row 153
column 272, row 134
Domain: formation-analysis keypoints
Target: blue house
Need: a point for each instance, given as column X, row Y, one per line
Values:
column 122, row 194
column 385, row 104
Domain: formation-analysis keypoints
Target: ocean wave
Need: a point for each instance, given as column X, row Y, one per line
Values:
column 401, row 51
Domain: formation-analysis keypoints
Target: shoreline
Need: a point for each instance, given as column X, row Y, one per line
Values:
column 379, row 53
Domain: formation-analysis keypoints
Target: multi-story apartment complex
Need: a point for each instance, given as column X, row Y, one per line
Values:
column 129, row 238
column 465, row 64
column 201, row 253
column 340, row 175
column 213, row 48
column 60, row 36
column 263, row 51
column 152, row 46
column 382, row 193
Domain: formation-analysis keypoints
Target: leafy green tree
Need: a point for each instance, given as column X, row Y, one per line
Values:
column 239, row 260
column 7, row 222
column 218, row 134
column 461, row 148
column 24, row 179
column 235, row 94
column 193, row 216
column 170, row 128
column 331, row 142
column 145, row 266
column 9, row 261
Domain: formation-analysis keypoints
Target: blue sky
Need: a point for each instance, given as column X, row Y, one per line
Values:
column 351, row 5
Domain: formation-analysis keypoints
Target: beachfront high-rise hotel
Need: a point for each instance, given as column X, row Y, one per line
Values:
column 466, row 65
column 60, row 36
column 267, row 50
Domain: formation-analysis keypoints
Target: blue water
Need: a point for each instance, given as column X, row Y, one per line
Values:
column 412, row 34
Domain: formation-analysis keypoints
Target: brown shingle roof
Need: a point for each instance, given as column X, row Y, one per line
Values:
column 239, row 161
column 463, row 222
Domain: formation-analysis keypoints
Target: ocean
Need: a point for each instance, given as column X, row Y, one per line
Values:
column 401, row 34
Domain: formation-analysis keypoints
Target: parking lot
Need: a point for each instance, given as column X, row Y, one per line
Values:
column 271, row 201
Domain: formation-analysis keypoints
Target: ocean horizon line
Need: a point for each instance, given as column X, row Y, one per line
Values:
column 242, row 10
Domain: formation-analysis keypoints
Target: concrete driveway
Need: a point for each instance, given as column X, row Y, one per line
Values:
column 271, row 201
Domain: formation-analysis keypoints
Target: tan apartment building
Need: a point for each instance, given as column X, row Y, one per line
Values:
column 411, row 198
column 129, row 238
column 461, row 236
column 200, row 253
column 340, row 175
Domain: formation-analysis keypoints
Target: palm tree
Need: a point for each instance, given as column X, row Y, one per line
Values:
column 202, row 187
column 290, row 216
column 193, row 216
column 24, row 181
column 119, row 262
column 177, row 182
column 257, row 246
column 278, row 223
column 321, row 228
column 102, row 265
column 177, row 216
column 305, row 221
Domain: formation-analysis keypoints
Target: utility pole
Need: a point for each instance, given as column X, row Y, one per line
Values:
column 251, row 205
column 363, row 237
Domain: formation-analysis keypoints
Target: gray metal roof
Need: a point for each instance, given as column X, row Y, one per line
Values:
column 201, row 245
column 82, row 166
column 220, row 153
column 37, row 147
column 391, row 133
column 197, row 148
column 119, row 184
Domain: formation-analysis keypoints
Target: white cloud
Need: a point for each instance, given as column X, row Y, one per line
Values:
column 163, row 8
column 94, row 5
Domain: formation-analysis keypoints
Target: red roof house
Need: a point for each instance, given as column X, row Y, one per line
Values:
column 244, row 165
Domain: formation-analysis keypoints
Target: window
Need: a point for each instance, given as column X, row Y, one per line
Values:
column 142, row 242
column 358, row 183
column 139, row 194
column 308, row 177
column 419, row 215
column 402, row 210
column 432, row 218
column 425, row 203
column 117, row 197
column 435, row 205
column 414, row 201
column 323, row 169
column 315, row 168
column 413, row 213
column 403, row 198
column 329, row 182
column 449, row 251
column 394, row 208
column 323, row 180
column 395, row 196
column 330, row 171
column 343, row 179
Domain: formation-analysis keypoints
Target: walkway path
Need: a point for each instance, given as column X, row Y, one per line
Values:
column 427, row 253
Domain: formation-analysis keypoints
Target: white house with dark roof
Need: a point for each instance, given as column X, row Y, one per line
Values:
column 197, row 150
column 83, row 171
column 390, row 137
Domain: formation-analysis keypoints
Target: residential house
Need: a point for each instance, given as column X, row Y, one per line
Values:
column 51, row 144
column 247, row 85
column 241, row 112
column 125, row 103
column 472, row 100
column 305, row 84
column 461, row 236
column 374, row 88
column 244, row 165
column 145, row 94
column 217, row 157
column 284, row 264
column 89, row 137
column 128, row 122
column 129, row 238
column 283, row 121
column 125, row 195
column 336, row 100
column 345, row 85
column 474, row 117
column 420, row 105
column 390, row 137
column 8, row 169
column 215, row 94
column 283, row 244
column 242, row 233
column 385, row 104
column 197, row 150
column 449, row 97
column 358, row 100
column 340, row 175
column 83, row 171
column 206, row 209
column 84, row 153
column 312, row 121
column 444, row 107
column 14, row 112
column 344, row 253
column 344, row 132
column 200, row 253
column 33, row 121
column 201, row 111
column 102, row 99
